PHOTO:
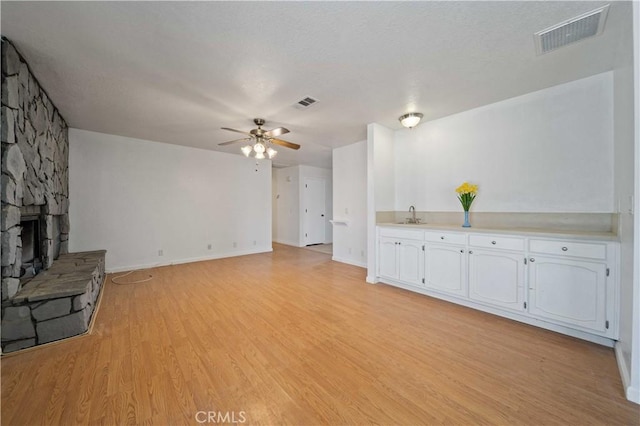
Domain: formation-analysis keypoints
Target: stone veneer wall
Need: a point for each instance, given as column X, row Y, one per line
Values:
column 35, row 160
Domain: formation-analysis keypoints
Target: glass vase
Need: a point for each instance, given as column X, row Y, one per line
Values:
column 466, row 223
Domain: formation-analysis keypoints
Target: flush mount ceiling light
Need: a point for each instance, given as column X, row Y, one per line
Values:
column 261, row 141
column 411, row 119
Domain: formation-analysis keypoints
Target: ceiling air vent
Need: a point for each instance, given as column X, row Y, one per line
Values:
column 305, row 103
column 584, row 26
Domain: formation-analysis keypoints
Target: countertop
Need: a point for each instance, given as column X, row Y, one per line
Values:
column 529, row 232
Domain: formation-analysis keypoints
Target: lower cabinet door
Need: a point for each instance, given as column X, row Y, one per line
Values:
column 497, row 278
column 410, row 262
column 387, row 260
column 570, row 291
column 445, row 269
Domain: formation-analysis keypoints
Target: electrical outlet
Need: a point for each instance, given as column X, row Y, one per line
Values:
column 349, row 250
column 235, row 245
column 254, row 242
column 346, row 210
column 209, row 247
column 160, row 252
column 361, row 253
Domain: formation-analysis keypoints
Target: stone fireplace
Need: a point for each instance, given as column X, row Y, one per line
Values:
column 41, row 240
column 39, row 299
column 35, row 181
column 31, row 242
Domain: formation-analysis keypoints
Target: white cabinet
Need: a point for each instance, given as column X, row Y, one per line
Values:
column 401, row 258
column 445, row 260
column 388, row 257
column 410, row 262
column 497, row 278
column 568, row 284
column 496, row 270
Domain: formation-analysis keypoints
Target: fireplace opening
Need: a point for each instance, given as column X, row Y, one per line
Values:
column 31, row 246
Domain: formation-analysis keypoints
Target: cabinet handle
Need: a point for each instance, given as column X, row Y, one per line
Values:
column 442, row 238
column 493, row 242
column 461, row 251
column 565, row 248
column 470, row 252
column 531, row 259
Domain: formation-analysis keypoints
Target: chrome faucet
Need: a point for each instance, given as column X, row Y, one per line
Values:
column 413, row 219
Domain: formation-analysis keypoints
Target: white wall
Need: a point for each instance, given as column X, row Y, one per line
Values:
column 624, row 187
column 350, row 204
column 547, row 151
column 633, row 389
column 380, row 185
column 135, row 197
column 288, row 216
column 384, row 170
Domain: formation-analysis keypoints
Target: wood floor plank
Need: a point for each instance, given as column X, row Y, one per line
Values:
column 291, row 337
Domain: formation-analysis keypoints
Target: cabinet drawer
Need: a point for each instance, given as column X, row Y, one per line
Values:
column 445, row 237
column 408, row 234
column 569, row 248
column 496, row 242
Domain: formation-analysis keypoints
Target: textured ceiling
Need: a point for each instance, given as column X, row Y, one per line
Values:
column 176, row 72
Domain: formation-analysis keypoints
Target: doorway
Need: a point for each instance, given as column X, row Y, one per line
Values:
column 314, row 211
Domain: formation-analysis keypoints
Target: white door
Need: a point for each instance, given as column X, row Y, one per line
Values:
column 570, row 291
column 314, row 211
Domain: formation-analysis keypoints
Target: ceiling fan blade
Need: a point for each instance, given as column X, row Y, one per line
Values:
column 276, row 132
column 233, row 141
column 285, row 143
column 237, row 131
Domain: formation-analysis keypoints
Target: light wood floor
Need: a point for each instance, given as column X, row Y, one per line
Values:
column 291, row 337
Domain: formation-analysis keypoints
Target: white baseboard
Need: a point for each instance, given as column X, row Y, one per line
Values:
column 137, row 267
column 288, row 243
column 349, row 261
column 622, row 366
column 632, row 394
column 188, row 260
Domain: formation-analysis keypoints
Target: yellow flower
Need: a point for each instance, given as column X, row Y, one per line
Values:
column 467, row 188
column 466, row 194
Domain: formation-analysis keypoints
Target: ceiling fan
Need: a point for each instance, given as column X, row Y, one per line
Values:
column 261, row 140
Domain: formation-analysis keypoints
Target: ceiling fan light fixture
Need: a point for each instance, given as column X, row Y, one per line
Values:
column 261, row 141
column 411, row 119
column 259, row 148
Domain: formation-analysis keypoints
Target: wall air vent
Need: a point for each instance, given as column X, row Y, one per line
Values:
column 305, row 103
column 573, row 30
